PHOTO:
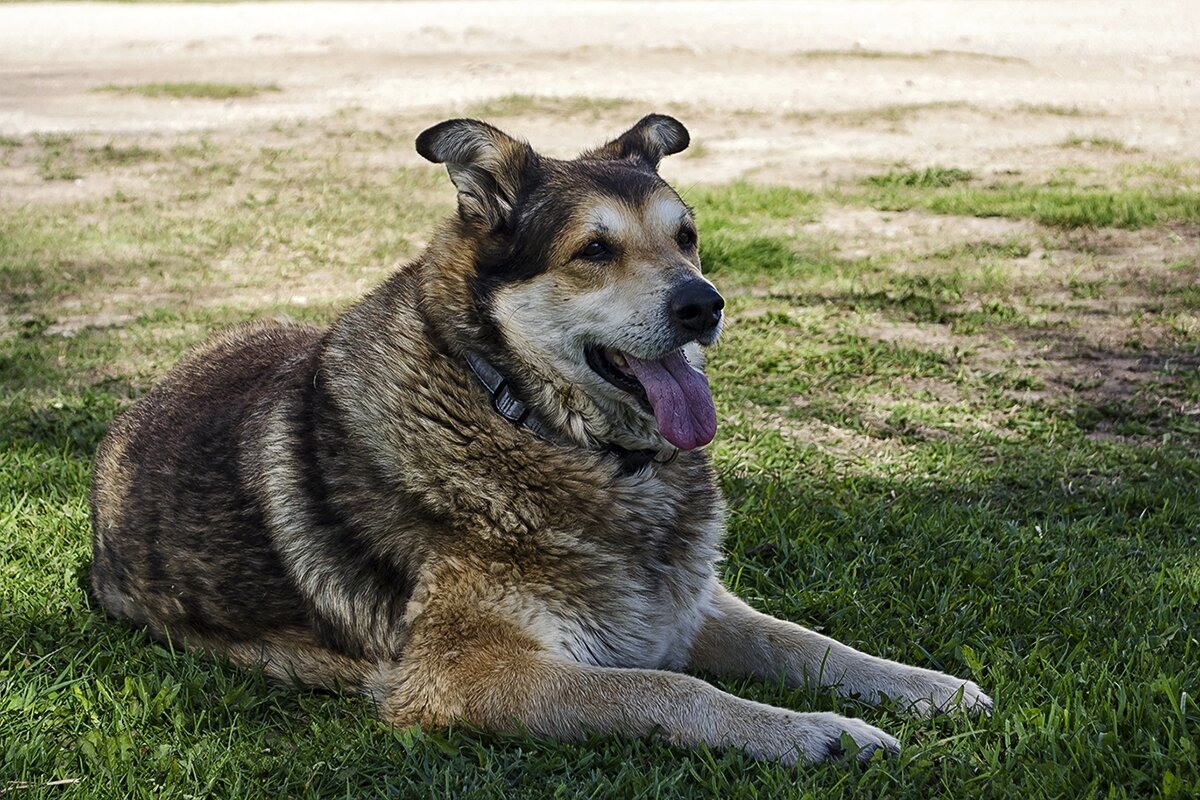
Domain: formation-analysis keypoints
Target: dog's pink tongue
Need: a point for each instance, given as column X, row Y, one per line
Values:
column 680, row 397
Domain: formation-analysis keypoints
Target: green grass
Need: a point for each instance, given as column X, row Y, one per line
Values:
column 925, row 178
column 1102, row 143
column 1073, row 208
column 1059, row 203
column 192, row 89
column 58, row 160
column 918, row 459
column 110, row 153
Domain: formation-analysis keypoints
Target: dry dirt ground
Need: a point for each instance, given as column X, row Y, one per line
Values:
column 810, row 94
column 979, row 84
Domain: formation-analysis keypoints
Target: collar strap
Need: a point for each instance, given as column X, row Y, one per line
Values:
column 506, row 403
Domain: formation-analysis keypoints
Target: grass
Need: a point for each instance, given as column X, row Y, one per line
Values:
column 110, row 153
column 192, row 89
column 515, row 105
column 930, row 177
column 1055, row 110
column 57, row 161
column 893, row 113
column 1059, row 203
column 918, row 456
column 1101, row 143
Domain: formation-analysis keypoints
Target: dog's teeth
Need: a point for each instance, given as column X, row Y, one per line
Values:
column 617, row 358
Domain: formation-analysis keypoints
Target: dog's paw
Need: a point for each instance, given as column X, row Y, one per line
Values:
column 825, row 737
column 929, row 693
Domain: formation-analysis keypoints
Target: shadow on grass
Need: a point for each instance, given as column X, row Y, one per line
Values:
column 1131, row 390
column 1061, row 577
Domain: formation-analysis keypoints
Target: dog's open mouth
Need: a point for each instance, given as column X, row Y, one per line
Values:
column 613, row 366
column 674, row 390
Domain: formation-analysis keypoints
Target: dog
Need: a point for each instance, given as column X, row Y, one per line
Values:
column 481, row 495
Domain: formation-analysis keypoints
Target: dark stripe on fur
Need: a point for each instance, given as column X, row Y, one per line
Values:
column 383, row 586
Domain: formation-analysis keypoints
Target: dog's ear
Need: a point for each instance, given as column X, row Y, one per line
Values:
column 654, row 136
column 486, row 165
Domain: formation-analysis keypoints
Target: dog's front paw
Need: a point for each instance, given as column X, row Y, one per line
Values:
column 930, row 693
column 821, row 737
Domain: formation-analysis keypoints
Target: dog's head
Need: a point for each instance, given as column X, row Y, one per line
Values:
column 588, row 272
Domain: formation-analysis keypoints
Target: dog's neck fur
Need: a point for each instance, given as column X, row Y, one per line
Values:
column 508, row 405
column 449, row 305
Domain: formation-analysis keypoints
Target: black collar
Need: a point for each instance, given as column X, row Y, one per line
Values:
column 507, row 404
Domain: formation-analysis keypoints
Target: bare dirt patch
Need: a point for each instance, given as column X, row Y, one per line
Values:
column 792, row 92
column 862, row 232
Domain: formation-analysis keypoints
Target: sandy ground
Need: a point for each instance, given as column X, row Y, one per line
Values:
column 816, row 94
column 983, row 85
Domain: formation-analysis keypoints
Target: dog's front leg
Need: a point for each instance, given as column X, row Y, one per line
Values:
column 511, row 684
column 736, row 640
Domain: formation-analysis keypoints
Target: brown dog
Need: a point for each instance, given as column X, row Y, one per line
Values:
column 480, row 494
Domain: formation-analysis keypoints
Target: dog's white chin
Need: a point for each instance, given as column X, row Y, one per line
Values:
column 599, row 413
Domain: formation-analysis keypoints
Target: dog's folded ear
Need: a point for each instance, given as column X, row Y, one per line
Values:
column 486, row 165
column 652, row 138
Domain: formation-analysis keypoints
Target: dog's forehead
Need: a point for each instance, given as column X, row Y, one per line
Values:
column 615, row 195
column 661, row 212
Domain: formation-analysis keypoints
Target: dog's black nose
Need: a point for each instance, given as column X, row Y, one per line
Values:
column 696, row 307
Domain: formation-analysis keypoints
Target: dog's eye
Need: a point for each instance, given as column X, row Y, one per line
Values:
column 686, row 238
column 595, row 250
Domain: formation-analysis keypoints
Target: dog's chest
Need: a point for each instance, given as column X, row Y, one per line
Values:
column 640, row 596
column 652, row 626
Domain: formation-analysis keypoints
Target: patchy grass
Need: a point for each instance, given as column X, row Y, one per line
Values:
column 515, row 105
column 984, row 249
column 121, row 155
column 1185, row 172
column 925, row 178
column 1097, row 143
column 1060, row 203
column 193, row 89
column 995, row 474
column 227, row 226
column 1073, row 208
column 893, row 113
column 58, row 160
column 1055, row 110
column 739, row 225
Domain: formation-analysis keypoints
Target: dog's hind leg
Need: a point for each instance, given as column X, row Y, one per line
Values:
column 506, row 682
column 290, row 658
column 736, row 640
